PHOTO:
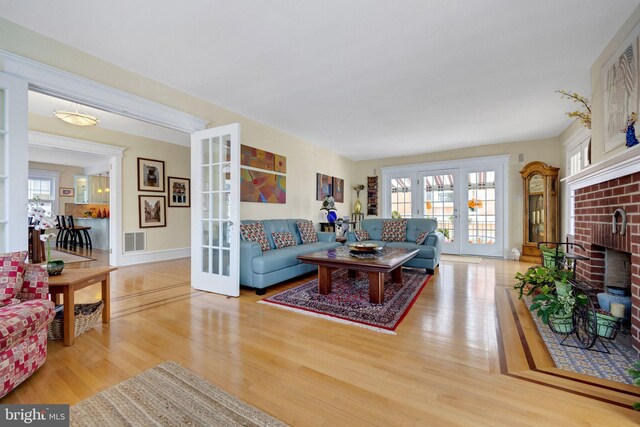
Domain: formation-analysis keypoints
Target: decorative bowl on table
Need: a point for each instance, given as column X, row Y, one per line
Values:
column 364, row 247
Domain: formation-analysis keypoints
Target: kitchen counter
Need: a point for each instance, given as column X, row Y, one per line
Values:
column 99, row 231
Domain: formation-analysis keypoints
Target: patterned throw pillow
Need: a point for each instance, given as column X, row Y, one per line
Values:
column 394, row 230
column 307, row 232
column 282, row 240
column 422, row 237
column 11, row 272
column 362, row 235
column 255, row 233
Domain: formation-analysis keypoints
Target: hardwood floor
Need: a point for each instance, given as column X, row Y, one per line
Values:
column 459, row 357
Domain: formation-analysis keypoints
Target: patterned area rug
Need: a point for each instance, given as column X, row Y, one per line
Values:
column 599, row 364
column 349, row 303
column 167, row 395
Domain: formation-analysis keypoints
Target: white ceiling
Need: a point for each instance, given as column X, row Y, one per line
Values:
column 366, row 78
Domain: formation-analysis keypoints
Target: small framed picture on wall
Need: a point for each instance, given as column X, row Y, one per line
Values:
column 152, row 211
column 150, row 175
column 67, row 192
column 179, row 192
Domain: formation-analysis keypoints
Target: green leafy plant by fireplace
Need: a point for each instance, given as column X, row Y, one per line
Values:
column 634, row 371
column 557, row 303
column 540, row 279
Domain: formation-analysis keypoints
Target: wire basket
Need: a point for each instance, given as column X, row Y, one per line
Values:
column 86, row 316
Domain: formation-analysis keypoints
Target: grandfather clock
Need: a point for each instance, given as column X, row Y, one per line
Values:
column 540, row 208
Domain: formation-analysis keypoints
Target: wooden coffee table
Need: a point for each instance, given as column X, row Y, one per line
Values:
column 70, row 281
column 389, row 260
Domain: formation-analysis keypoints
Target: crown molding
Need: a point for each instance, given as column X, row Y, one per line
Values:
column 61, row 84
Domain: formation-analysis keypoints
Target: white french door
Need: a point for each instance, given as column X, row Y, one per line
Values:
column 440, row 200
column 14, row 169
column 215, row 210
column 467, row 206
column 468, row 198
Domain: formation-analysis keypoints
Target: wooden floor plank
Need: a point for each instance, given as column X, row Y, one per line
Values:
column 460, row 357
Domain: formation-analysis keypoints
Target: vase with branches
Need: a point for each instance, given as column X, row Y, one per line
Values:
column 357, row 206
column 583, row 115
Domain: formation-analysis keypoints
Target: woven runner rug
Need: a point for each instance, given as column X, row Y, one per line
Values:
column 167, row 395
column 67, row 257
column 348, row 301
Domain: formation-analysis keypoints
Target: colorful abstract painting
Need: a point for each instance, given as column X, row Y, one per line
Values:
column 338, row 189
column 262, row 187
column 324, row 186
column 260, row 159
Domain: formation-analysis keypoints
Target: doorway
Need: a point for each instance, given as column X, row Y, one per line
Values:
column 466, row 197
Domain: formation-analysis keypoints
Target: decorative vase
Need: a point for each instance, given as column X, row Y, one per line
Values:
column 331, row 217
column 561, row 324
column 357, row 206
column 55, row 267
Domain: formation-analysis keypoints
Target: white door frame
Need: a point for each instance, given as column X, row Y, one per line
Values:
column 498, row 162
column 58, row 83
column 110, row 153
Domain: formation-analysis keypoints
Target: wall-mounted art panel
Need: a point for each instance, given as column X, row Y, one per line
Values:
column 262, row 187
column 260, row 159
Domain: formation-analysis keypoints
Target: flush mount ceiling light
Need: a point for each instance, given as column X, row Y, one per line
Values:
column 76, row 117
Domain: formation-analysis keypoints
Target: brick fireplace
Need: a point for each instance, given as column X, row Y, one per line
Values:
column 607, row 224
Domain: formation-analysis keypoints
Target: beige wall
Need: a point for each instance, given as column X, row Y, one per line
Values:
column 66, row 179
column 177, row 163
column 598, row 153
column 546, row 150
column 304, row 160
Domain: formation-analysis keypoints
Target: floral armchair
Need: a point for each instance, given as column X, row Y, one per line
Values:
column 25, row 315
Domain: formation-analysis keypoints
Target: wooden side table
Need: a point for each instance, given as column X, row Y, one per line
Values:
column 70, row 281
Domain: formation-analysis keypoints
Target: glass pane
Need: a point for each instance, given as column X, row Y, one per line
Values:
column 215, row 178
column 3, row 249
column 481, row 203
column 2, row 110
column 439, row 203
column 215, row 261
column 3, row 150
column 226, row 234
column 226, row 262
column 536, row 218
column 226, row 205
column 226, row 176
column 401, row 197
column 3, row 214
column 206, row 208
column 215, row 149
column 206, row 178
column 206, row 253
column 215, row 233
column 215, row 210
column 205, row 152
column 206, row 236
column 226, row 149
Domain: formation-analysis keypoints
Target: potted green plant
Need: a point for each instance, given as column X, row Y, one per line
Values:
column 535, row 280
column 607, row 326
column 551, row 257
column 555, row 307
column 634, row 371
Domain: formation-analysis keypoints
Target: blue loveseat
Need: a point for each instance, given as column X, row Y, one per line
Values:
column 429, row 255
column 260, row 269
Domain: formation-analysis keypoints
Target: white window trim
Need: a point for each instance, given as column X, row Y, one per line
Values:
column 577, row 142
column 55, row 177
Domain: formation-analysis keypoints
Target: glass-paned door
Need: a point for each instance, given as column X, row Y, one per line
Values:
column 14, row 164
column 401, row 197
column 480, row 217
column 215, row 212
column 440, row 202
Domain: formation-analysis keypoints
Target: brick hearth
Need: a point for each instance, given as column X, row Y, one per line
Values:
column 595, row 206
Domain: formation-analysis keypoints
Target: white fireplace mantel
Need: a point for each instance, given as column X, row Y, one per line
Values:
column 625, row 163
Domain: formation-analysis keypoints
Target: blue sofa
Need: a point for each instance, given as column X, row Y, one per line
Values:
column 260, row 269
column 429, row 255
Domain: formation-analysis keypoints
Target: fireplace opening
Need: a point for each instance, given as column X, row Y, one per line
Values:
column 617, row 273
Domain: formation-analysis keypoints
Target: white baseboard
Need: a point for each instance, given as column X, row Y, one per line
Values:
column 155, row 256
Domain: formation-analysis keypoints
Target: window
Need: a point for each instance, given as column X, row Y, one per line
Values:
column 401, row 196
column 577, row 154
column 43, row 185
column 578, row 157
